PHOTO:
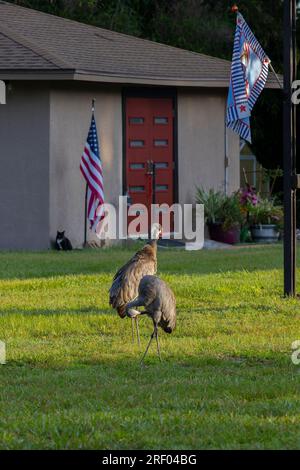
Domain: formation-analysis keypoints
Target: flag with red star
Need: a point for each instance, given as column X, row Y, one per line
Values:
column 249, row 73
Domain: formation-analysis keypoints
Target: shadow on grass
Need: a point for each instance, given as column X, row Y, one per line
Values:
column 92, row 310
column 172, row 363
column 26, row 265
column 58, row 311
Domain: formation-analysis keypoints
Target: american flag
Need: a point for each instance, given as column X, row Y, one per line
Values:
column 249, row 73
column 91, row 168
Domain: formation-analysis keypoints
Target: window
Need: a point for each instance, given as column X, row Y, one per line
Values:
column 137, row 143
column 160, row 143
column 136, row 189
column 136, row 120
column 137, row 166
column 161, row 187
column 161, row 120
column 161, row 165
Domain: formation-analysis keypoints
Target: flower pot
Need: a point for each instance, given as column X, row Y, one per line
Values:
column 264, row 233
column 230, row 236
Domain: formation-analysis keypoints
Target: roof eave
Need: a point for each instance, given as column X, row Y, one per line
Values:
column 59, row 74
column 161, row 81
column 83, row 76
column 102, row 77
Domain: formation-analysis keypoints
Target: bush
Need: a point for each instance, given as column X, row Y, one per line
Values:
column 265, row 213
column 220, row 208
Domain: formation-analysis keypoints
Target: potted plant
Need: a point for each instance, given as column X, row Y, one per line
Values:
column 248, row 198
column 265, row 219
column 222, row 215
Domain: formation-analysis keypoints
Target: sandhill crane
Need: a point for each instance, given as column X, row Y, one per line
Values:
column 160, row 304
column 126, row 281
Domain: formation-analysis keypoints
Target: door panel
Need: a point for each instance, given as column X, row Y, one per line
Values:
column 149, row 137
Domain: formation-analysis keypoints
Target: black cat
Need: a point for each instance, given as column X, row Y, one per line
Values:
column 62, row 242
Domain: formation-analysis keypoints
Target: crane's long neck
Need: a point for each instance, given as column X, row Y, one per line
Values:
column 153, row 244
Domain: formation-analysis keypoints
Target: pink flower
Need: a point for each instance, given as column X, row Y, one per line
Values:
column 248, row 196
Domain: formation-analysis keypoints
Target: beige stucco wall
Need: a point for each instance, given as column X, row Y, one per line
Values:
column 201, row 143
column 24, row 167
column 70, row 115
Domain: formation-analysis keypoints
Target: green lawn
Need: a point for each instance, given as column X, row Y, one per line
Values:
column 73, row 380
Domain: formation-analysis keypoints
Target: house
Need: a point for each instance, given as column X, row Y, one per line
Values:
column 153, row 102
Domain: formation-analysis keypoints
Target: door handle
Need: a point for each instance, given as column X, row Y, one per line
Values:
column 150, row 167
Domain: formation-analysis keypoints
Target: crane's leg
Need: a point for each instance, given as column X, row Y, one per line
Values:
column 151, row 338
column 154, row 334
column 135, row 324
column 132, row 329
column 133, row 314
column 157, row 343
column 137, row 330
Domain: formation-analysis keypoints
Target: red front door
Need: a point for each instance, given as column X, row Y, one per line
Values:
column 149, row 138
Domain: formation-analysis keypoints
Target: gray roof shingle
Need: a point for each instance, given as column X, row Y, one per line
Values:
column 13, row 55
column 34, row 41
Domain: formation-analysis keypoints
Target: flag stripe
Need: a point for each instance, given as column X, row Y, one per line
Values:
column 92, row 183
column 94, row 159
column 93, row 172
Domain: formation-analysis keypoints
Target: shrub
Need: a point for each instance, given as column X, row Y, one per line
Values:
column 220, row 208
column 265, row 212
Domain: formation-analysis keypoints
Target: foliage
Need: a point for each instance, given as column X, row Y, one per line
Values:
column 213, row 202
column 259, row 210
column 265, row 212
column 219, row 208
column 73, row 380
column 231, row 211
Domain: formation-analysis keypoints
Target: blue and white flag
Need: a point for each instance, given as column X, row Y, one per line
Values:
column 249, row 73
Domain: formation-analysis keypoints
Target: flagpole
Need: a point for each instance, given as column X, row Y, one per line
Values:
column 85, row 215
column 276, row 76
column 226, row 158
column 289, row 149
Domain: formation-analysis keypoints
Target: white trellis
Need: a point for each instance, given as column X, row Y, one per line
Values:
column 2, row 92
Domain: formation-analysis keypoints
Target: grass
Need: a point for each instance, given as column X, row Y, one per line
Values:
column 73, row 380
